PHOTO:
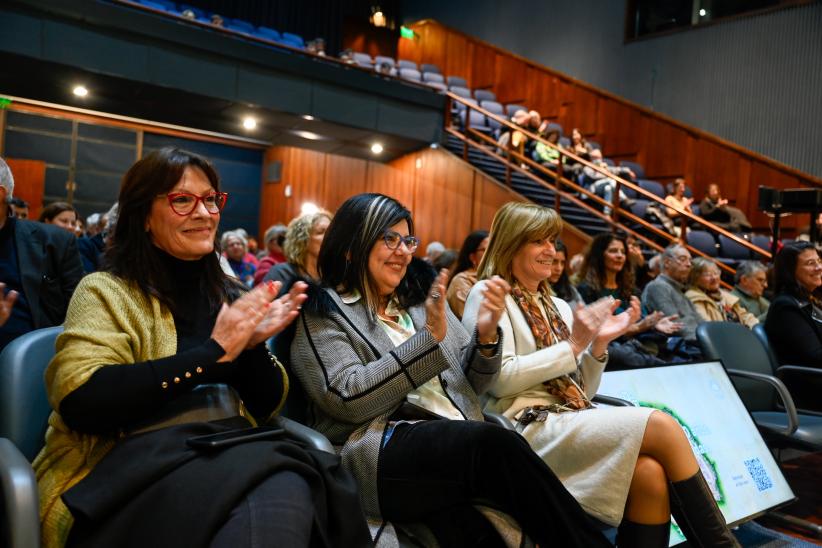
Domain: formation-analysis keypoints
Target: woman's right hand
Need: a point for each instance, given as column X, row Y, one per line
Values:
column 435, row 317
column 236, row 322
column 6, row 303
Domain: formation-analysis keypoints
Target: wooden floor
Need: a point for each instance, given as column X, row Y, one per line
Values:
column 804, row 475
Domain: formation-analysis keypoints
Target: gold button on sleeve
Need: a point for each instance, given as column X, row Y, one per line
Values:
column 176, row 380
column 164, row 384
column 199, row 370
column 188, row 374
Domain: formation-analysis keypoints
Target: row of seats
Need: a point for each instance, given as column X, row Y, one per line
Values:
column 236, row 25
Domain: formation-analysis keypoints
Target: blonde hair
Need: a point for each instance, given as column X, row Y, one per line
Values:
column 297, row 235
column 514, row 225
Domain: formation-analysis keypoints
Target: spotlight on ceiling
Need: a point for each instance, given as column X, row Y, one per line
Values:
column 376, row 148
column 249, row 122
column 80, row 91
column 309, row 208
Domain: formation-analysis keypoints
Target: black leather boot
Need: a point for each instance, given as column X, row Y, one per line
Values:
column 637, row 535
column 695, row 510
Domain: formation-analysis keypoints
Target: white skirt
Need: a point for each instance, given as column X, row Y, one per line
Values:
column 593, row 453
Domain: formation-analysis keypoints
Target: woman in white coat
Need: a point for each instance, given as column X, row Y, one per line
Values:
column 623, row 465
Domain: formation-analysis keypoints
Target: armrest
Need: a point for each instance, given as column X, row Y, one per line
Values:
column 812, row 371
column 804, row 384
column 309, row 436
column 498, row 419
column 612, row 401
column 20, row 500
column 784, row 395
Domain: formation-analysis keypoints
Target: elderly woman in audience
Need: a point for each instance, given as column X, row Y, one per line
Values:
column 751, row 281
column 715, row 208
column 117, row 468
column 235, row 247
column 393, row 378
column 712, row 302
column 794, row 322
column 465, row 273
column 303, row 239
column 59, row 214
column 559, row 279
column 620, row 464
column 274, row 238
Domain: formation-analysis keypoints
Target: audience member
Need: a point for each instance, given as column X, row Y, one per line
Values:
column 217, row 20
column 517, row 140
column 303, row 239
column 574, row 264
column 250, row 254
column 559, row 280
column 715, row 208
column 751, row 281
column 604, row 186
column 274, row 239
column 636, row 258
column 544, row 154
column 794, row 322
column 94, row 224
column 380, row 353
column 235, row 248
column 607, row 272
column 432, row 251
column 6, row 303
column 617, row 462
column 465, row 273
column 446, row 260
column 79, row 228
column 253, row 248
column 138, row 339
column 581, row 148
column 654, row 266
column 677, row 199
column 38, row 261
column 19, row 208
column 712, row 302
column 666, row 292
column 59, row 214
column 92, row 246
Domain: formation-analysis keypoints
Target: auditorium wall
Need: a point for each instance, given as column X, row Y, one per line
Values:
column 753, row 81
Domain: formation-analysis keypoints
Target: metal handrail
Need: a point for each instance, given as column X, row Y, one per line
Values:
column 619, row 180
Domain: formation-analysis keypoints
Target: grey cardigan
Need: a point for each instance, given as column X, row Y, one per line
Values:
column 356, row 379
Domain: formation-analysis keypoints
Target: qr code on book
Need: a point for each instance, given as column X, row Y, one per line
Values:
column 759, row 474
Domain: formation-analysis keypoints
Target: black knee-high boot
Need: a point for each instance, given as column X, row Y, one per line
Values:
column 637, row 535
column 695, row 510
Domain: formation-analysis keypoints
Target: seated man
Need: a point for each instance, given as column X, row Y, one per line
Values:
column 39, row 262
column 19, row 207
column 666, row 292
column 602, row 185
column 715, row 208
column 751, row 282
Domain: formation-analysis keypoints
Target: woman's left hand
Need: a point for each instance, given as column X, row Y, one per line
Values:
column 616, row 326
column 491, row 308
column 280, row 313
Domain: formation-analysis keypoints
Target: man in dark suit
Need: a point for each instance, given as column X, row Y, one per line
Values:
column 38, row 261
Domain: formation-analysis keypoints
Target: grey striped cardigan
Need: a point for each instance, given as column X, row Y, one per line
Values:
column 356, row 378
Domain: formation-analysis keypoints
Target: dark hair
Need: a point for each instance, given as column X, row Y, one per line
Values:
column 446, row 259
column 784, row 270
column 131, row 255
column 593, row 266
column 469, row 246
column 563, row 286
column 359, row 223
column 19, row 202
column 53, row 210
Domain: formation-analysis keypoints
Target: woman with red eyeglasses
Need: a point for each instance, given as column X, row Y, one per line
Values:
column 122, row 465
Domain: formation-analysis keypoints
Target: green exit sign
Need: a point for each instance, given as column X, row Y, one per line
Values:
column 4, row 103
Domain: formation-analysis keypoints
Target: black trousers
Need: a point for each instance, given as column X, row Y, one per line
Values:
column 433, row 468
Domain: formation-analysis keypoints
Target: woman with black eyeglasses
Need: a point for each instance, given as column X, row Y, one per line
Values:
column 121, row 466
column 393, row 379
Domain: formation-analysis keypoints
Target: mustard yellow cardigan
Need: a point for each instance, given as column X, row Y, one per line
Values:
column 109, row 321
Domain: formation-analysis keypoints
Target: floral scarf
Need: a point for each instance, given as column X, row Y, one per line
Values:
column 570, row 388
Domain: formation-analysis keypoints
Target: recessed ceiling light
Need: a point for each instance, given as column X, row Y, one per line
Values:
column 376, row 148
column 308, row 135
column 249, row 122
column 309, row 208
column 702, row 12
column 308, row 117
column 80, row 91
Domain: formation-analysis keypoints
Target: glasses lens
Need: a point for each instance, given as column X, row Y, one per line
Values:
column 183, row 204
column 411, row 242
column 392, row 239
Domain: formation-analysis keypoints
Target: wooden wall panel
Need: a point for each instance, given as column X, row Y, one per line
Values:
column 664, row 151
column 579, row 109
column 489, row 196
column 715, row 164
column 458, row 52
column 510, row 75
column 29, row 183
column 344, row 177
column 432, row 48
column 395, row 179
column 618, row 129
column 274, row 206
column 542, row 93
column 483, row 67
